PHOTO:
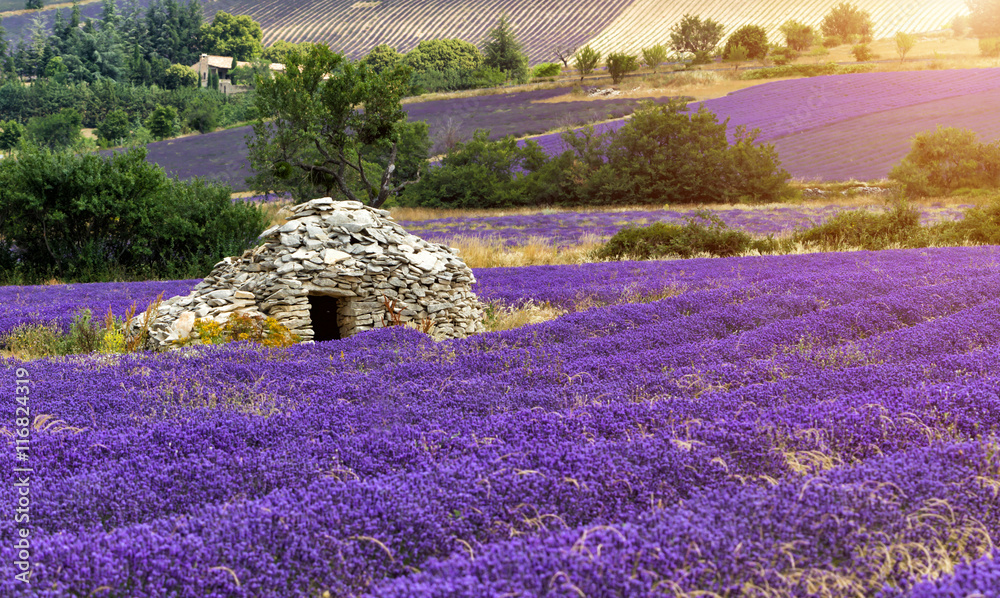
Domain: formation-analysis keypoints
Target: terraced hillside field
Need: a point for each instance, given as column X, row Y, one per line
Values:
column 852, row 126
column 354, row 27
column 647, row 22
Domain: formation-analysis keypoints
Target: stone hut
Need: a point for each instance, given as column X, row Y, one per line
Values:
column 333, row 270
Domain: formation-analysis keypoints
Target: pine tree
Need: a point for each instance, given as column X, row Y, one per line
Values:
column 502, row 51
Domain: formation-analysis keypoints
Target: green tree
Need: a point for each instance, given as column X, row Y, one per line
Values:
column 753, row 39
column 442, row 55
column 11, row 133
column 329, row 114
column 178, row 76
column 479, row 173
column 502, row 51
column 984, row 17
column 945, row 160
column 213, row 80
column 56, row 131
column 845, row 21
column 904, row 43
column 228, row 35
column 586, row 61
column 279, row 50
column 202, row 113
column 113, row 127
column 382, row 57
column 654, row 56
column 620, row 65
column 162, row 122
column 664, row 154
column 798, row 36
column 698, row 37
column 33, row 4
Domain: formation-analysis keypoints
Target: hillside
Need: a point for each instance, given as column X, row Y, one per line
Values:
column 354, row 27
column 648, row 22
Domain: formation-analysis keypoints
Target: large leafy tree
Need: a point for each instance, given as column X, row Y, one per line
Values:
column 984, row 16
column 442, row 55
column 696, row 36
column 846, row 20
column 502, row 51
column 751, row 37
column 328, row 125
column 238, row 36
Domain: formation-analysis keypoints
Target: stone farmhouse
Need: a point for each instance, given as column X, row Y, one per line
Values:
column 332, row 270
column 221, row 65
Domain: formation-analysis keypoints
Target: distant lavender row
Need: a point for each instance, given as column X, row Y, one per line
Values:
column 783, row 422
column 568, row 228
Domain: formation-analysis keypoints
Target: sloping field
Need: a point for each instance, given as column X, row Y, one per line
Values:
column 353, row 27
column 852, row 126
column 794, row 426
column 648, row 22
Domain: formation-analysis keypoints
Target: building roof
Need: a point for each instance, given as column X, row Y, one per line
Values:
column 220, row 62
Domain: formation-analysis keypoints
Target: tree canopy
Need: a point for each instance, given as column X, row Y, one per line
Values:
column 693, row 35
column 846, row 20
column 442, row 55
column 238, row 36
column 502, row 51
column 984, row 16
column 337, row 128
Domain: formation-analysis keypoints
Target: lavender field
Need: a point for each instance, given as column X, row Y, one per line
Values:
column 222, row 155
column 565, row 228
column 842, row 127
column 810, row 425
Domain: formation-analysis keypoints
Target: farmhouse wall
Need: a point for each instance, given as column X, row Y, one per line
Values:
column 332, row 270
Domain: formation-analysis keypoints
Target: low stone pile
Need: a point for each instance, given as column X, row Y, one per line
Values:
column 334, row 267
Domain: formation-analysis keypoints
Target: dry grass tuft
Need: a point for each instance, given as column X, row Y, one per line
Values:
column 491, row 253
column 499, row 317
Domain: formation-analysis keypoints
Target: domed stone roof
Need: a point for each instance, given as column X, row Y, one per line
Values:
column 334, row 269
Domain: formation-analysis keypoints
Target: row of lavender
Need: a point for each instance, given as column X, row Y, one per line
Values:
column 564, row 228
column 787, row 426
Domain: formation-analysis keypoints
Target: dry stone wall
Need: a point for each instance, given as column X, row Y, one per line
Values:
column 334, row 269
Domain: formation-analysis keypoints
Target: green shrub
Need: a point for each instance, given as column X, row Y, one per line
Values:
column 664, row 154
column 546, row 69
column 832, row 41
column 620, row 65
column 479, row 173
column 89, row 217
column 782, row 55
column 806, row 70
column 162, row 122
column 751, row 37
column 798, row 36
column 979, row 226
column 989, row 47
column 56, row 131
column 114, row 128
column 945, row 160
column 703, row 233
column 653, row 56
column 862, row 53
column 897, row 227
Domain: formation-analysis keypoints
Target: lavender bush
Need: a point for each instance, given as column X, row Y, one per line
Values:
column 802, row 425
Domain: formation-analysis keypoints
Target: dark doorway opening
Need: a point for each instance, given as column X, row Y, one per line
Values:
column 323, row 313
